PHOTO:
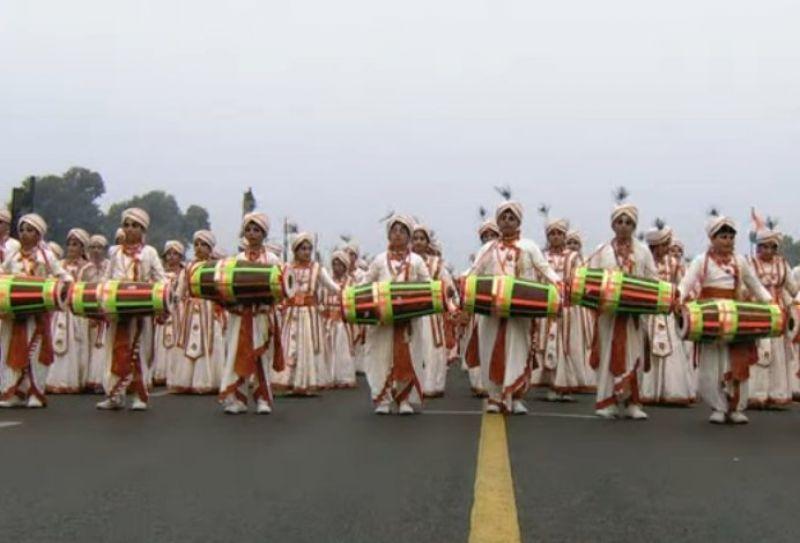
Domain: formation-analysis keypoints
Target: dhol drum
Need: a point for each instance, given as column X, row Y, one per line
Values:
column 119, row 299
column 22, row 295
column 729, row 321
column 611, row 291
column 233, row 282
column 386, row 302
column 509, row 297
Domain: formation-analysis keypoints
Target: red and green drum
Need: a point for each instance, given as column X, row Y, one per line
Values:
column 385, row 302
column 233, row 282
column 611, row 291
column 730, row 321
column 119, row 299
column 22, row 295
column 506, row 297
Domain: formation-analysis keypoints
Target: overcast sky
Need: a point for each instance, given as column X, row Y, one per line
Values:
column 337, row 111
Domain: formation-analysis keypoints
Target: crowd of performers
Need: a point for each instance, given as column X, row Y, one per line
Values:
column 302, row 346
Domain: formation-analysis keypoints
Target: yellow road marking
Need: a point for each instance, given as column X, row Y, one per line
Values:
column 494, row 509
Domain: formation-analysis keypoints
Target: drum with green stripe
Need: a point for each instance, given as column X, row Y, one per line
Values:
column 613, row 291
column 730, row 321
column 387, row 302
column 119, row 299
column 235, row 282
column 505, row 296
column 22, row 295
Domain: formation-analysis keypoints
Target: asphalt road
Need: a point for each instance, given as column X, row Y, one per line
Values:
column 327, row 469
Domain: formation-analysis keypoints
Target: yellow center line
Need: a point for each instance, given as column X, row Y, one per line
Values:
column 494, row 509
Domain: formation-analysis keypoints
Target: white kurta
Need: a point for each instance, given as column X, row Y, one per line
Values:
column 670, row 378
column 518, row 258
column 618, row 380
column 716, row 384
column 136, row 264
column 794, row 362
column 165, row 338
column 266, row 332
column 29, row 380
column 379, row 352
column 434, row 334
column 67, row 374
column 561, row 349
column 771, row 377
column 339, row 339
column 199, row 356
column 307, row 370
column 96, row 341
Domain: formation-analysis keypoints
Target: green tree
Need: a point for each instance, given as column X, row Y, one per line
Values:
column 167, row 221
column 791, row 250
column 68, row 201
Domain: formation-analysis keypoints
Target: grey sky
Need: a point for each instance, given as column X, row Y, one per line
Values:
column 336, row 112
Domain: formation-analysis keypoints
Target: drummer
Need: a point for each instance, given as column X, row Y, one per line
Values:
column 307, row 370
column 619, row 343
column 558, row 369
column 394, row 367
column 253, row 334
column 129, row 344
column 26, row 347
column 505, row 344
column 724, row 369
column 167, row 330
column 96, row 351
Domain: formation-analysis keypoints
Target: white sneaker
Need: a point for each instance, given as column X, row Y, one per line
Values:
column 635, row 412
column 567, row 398
column 34, row 402
column 109, row 404
column 553, row 396
column 383, row 409
column 519, row 408
column 610, row 412
column 717, row 417
column 263, row 408
column 14, row 401
column 405, row 409
column 139, row 405
column 737, row 417
column 235, row 407
column 492, row 407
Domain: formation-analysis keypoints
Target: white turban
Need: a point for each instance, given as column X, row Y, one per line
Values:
column 768, row 235
column 657, row 236
column 5, row 215
column 257, row 218
column 488, row 226
column 400, row 219
column 174, row 245
column 206, row 236
column 98, row 239
column 81, row 235
column 342, row 257
column 419, row 227
column 625, row 209
column 575, row 235
column 137, row 215
column 56, row 249
column 561, row 225
column 302, row 237
column 716, row 223
column 509, row 205
column 36, row 221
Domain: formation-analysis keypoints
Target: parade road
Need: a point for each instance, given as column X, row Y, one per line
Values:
column 327, row 469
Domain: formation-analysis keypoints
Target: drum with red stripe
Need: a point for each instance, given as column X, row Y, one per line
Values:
column 388, row 302
column 233, row 282
column 22, row 295
column 509, row 297
column 612, row 291
column 730, row 321
column 119, row 299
